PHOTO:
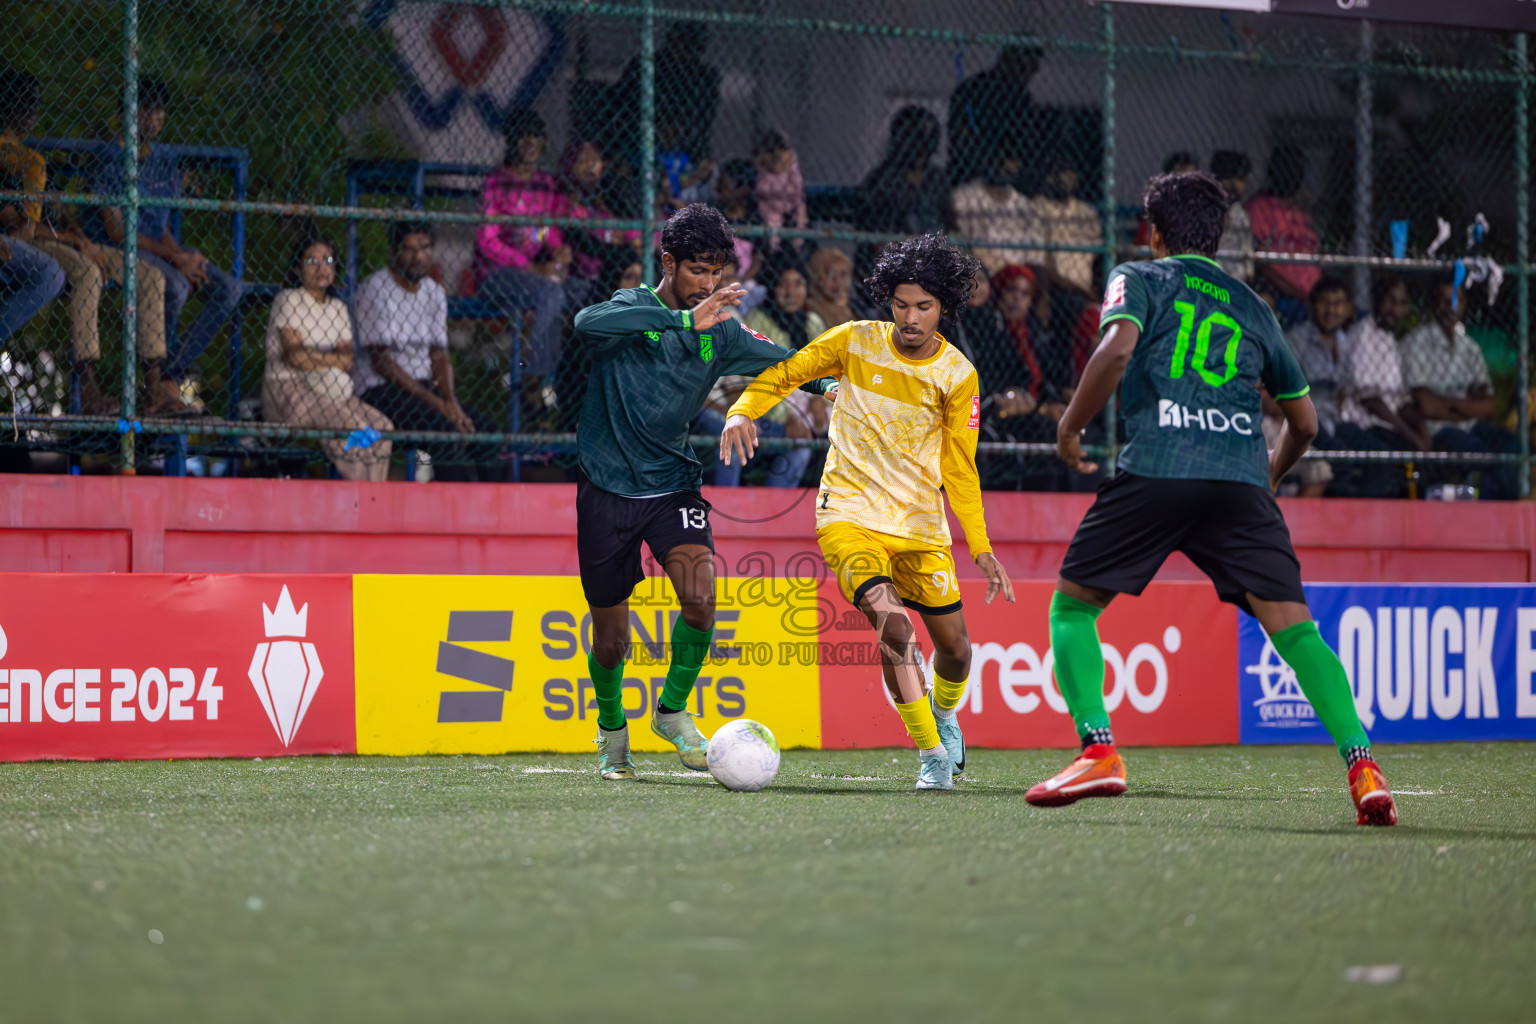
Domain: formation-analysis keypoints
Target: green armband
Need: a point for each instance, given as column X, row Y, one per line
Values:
column 687, row 316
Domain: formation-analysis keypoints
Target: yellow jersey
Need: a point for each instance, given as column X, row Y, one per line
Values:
column 901, row 429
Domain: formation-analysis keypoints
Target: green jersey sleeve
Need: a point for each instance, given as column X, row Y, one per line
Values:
column 609, row 325
column 1282, row 374
column 1125, row 298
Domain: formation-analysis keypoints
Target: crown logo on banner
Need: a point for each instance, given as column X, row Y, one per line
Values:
column 284, row 621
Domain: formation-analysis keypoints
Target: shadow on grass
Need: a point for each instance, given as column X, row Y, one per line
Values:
column 1345, row 826
column 1170, row 794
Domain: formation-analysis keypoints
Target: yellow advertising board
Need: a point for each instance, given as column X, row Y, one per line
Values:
column 496, row 664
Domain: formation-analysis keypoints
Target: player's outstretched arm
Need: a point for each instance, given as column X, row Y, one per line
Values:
column 1100, row 378
column 777, row 376
column 962, row 483
column 1295, row 437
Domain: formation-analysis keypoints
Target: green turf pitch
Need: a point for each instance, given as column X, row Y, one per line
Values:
column 1228, row 884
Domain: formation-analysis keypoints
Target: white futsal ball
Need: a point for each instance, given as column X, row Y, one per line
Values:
column 743, row 755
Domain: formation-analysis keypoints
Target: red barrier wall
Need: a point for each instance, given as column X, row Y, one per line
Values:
column 151, row 524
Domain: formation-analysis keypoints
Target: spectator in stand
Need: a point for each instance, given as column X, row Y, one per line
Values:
column 51, row 229
column 29, row 275
column 991, row 115
column 402, row 325
column 595, row 251
column 308, row 377
column 1281, row 225
column 1231, row 168
column 784, row 318
column 991, row 209
column 1325, row 351
column 1444, row 370
column 906, row 193
column 831, row 272
column 184, row 269
column 1026, row 376
column 687, row 94
column 632, row 276
column 780, row 188
column 523, row 267
column 783, row 315
column 29, row 281
column 1072, row 289
column 1064, row 219
column 736, row 198
column 1376, row 398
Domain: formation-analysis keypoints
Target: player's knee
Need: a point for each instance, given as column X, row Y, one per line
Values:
column 699, row 612
column 897, row 630
column 954, row 655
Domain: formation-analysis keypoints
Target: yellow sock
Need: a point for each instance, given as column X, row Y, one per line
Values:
column 946, row 693
column 918, row 718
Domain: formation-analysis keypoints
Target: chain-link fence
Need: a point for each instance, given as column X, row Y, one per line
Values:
column 365, row 225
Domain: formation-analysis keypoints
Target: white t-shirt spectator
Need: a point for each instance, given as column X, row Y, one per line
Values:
column 1066, row 222
column 1449, row 371
column 1371, row 370
column 979, row 214
column 322, row 325
column 409, row 324
column 1237, row 237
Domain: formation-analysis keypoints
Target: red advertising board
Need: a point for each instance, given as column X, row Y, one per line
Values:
column 1169, row 677
column 145, row 666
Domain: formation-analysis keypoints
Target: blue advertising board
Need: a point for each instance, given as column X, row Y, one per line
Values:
column 1425, row 663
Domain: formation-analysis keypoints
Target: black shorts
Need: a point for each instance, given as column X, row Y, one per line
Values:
column 610, row 527
column 1233, row 532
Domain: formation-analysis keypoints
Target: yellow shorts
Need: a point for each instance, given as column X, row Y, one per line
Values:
column 924, row 575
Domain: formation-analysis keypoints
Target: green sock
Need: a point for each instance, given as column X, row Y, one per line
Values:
column 609, row 684
column 1322, row 679
column 689, row 649
column 1080, row 666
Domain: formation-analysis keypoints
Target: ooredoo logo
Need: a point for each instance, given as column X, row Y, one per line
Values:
column 1139, row 677
column 285, row 670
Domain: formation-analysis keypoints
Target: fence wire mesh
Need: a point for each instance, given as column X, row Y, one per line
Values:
column 364, row 226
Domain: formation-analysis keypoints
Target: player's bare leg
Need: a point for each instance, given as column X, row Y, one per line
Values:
column 691, row 568
column 1323, row 682
column 605, row 665
column 904, row 679
column 1098, row 771
column 951, row 670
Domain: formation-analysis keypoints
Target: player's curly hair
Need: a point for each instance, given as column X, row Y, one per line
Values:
column 931, row 263
column 698, row 232
column 1189, row 210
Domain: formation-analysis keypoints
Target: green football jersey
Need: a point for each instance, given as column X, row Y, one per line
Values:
column 651, row 374
column 1190, row 395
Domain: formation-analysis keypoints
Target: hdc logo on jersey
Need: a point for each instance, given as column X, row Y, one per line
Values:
column 975, row 423
column 1172, row 414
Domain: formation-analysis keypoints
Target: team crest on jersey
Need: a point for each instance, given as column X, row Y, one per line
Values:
column 1114, row 296
column 706, row 347
column 975, row 423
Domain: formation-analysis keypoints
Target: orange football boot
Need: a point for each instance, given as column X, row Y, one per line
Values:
column 1373, row 800
column 1098, row 771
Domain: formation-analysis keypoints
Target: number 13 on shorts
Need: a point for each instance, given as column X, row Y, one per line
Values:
column 694, row 518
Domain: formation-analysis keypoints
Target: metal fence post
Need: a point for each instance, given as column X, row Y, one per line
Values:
column 1523, row 252
column 130, row 226
column 1111, row 445
column 1364, row 143
column 648, row 139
